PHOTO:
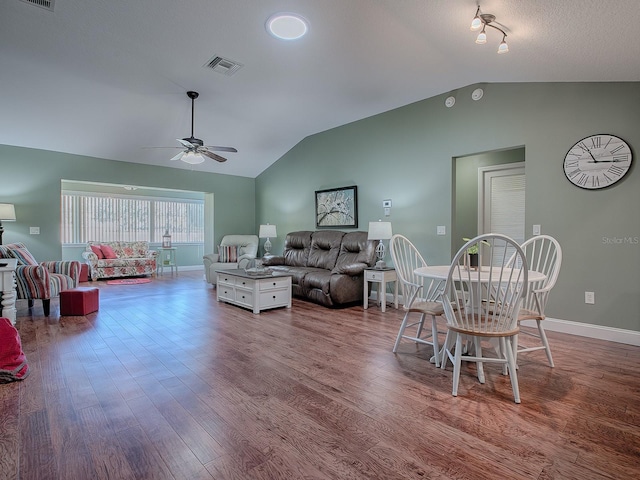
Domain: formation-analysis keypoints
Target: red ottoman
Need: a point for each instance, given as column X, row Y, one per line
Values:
column 79, row 301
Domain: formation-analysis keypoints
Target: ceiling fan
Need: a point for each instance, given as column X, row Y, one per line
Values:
column 195, row 150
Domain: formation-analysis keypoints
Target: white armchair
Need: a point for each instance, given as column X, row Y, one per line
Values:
column 247, row 249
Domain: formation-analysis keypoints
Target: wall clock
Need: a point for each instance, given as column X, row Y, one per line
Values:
column 598, row 161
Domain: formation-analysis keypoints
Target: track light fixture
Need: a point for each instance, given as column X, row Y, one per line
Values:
column 484, row 20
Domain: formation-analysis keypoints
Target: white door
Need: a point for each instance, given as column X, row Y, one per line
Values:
column 501, row 200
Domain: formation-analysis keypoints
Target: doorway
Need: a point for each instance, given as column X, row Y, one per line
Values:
column 466, row 190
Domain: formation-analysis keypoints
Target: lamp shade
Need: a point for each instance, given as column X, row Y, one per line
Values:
column 380, row 231
column 267, row 231
column 7, row 212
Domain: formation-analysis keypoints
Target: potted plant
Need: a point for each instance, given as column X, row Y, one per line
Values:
column 472, row 253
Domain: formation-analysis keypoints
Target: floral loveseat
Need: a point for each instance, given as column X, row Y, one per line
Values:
column 119, row 259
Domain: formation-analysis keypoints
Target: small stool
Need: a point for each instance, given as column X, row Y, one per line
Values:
column 79, row 301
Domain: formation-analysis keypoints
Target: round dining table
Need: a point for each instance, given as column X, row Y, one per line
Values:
column 482, row 274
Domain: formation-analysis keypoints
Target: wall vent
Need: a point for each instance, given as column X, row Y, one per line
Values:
column 46, row 4
column 223, row 65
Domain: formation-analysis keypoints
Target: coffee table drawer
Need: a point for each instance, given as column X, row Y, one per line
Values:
column 274, row 284
column 244, row 297
column 275, row 298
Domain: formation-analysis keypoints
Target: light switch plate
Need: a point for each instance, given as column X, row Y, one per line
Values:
column 536, row 229
column 34, row 230
column 441, row 230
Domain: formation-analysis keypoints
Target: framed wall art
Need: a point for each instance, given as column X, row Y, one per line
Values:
column 337, row 207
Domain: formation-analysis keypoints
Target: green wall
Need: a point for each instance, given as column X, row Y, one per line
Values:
column 31, row 179
column 407, row 155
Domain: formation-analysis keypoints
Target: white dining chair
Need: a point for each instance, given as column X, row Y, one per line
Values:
column 544, row 255
column 483, row 305
column 419, row 296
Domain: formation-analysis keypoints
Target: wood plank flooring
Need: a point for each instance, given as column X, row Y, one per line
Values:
column 165, row 383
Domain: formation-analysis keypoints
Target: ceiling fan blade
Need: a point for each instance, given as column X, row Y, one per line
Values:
column 185, row 143
column 222, row 149
column 212, row 155
column 178, row 156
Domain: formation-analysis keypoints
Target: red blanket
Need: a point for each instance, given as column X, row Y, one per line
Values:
column 13, row 362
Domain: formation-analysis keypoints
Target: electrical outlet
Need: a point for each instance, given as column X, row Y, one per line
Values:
column 441, row 230
column 34, row 230
column 590, row 298
column 536, row 229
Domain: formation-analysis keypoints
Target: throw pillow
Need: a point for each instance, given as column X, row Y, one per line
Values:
column 24, row 256
column 98, row 251
column 227, row 253
column 108, row 252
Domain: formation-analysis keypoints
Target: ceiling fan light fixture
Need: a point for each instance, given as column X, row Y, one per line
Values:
column 287, row 26
column 192, row 158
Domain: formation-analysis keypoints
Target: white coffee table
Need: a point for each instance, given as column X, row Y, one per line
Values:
column 256, row 292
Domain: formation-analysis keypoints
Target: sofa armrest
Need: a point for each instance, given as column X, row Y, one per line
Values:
column 92, row 257
column 69, row 268
column 151, row 254
column 269, row 260
column 351, row 269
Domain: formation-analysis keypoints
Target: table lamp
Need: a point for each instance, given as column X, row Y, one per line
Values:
column 380, row 231
column 267, row 231
column 7, row 214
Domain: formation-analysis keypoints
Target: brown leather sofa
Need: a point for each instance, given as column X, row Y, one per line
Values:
column 327, row 266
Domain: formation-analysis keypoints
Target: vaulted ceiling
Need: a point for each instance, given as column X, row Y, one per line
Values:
column 106, row 79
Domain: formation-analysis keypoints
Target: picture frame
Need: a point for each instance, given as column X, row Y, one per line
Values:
column 337, row 207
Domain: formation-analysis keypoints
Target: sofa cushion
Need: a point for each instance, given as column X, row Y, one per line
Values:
column 108, row 252
column 296, row 248
column 355, row 250
column 325, row 247
column 319, row 279
column 98, row 251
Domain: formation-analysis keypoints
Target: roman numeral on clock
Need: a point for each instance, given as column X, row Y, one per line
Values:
column 616, row 170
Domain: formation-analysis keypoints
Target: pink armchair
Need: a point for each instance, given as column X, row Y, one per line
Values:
column 40, row 281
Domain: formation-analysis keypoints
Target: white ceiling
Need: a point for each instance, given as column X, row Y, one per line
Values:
column 107, row 78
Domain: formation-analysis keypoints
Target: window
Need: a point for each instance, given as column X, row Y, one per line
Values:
column 101, row 217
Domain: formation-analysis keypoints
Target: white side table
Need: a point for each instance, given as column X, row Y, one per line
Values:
column 166, row 259
column 8, row 288
column 381, row 276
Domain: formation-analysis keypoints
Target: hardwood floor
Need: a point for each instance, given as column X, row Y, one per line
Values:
column 165, row 383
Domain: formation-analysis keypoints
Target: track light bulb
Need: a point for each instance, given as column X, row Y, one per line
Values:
column 482, row 38
column 503, row 47
column 476, row 23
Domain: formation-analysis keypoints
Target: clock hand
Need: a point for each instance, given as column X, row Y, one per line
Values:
column 594, row 158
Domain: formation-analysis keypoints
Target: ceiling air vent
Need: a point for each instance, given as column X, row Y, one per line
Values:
column 223, row 65
column 46, row 4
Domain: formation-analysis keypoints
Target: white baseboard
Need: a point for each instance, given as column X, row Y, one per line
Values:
column 190, row 267
column 611, row 334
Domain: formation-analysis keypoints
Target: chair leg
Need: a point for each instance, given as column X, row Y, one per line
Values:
column 545, row 342
column 506, row 344
column 46, row 306
column 434, row 338
column 30, row 304
column 479, row 364
column 446, row 349
column 457, row 361
column 420, row 325
column 403, row 325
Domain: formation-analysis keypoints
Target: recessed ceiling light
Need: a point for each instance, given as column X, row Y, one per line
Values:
column 287, row 26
